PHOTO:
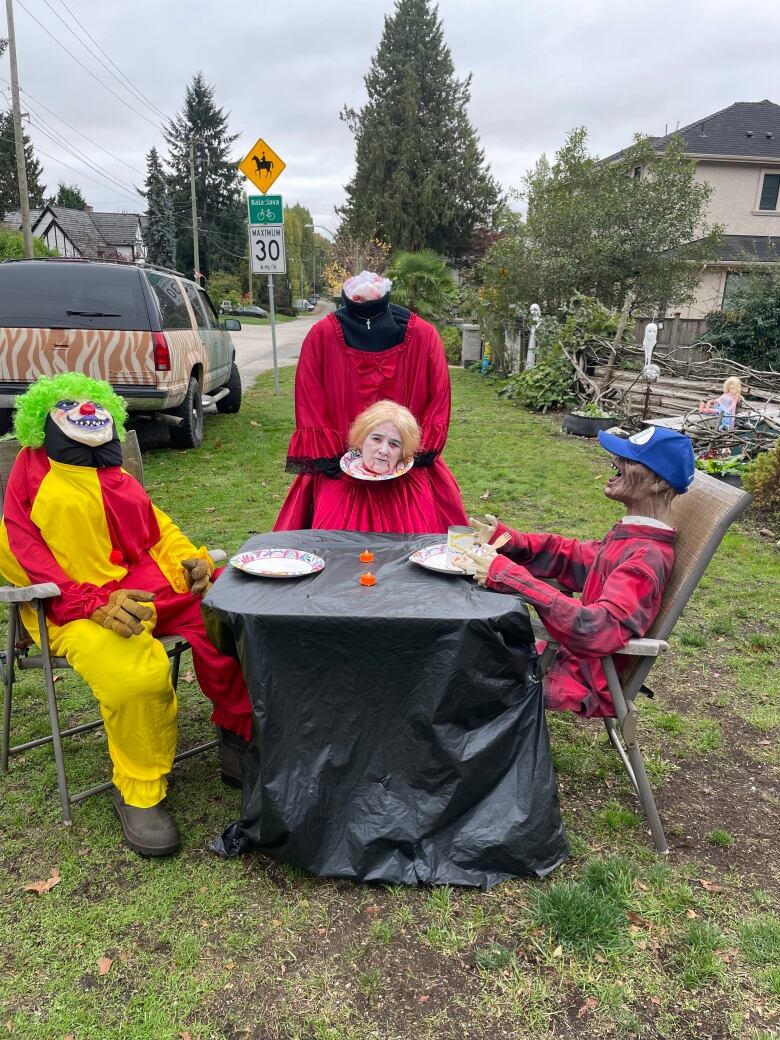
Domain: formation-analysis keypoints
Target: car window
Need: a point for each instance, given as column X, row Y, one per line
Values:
column 211, row 315
column 198, row 301
column 173, row 309
column 45, row 294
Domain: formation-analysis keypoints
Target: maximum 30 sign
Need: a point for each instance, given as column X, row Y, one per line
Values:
column 266, row 248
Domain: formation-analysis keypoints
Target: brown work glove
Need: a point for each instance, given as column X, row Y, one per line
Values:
column 125, row 611
column 197, row 574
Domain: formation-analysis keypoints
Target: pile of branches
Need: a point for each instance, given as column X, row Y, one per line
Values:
column 752, row 433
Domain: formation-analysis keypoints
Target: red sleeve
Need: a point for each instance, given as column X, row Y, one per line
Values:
column 565, row 560
column 625, row 609
column 435, row 418
column 314, row 437
column 78, row 599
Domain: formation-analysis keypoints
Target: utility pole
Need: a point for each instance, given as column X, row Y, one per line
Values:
column 21, row 167
column 195, row 245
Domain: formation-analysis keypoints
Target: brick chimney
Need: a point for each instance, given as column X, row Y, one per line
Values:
column 87, row 209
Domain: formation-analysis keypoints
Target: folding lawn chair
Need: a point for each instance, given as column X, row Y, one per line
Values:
column 17, row 655
column 701, row 516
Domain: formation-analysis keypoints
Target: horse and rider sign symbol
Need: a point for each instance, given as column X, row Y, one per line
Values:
column 261, row 165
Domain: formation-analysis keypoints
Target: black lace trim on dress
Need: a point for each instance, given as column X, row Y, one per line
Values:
column 302, row 464
column 425, row 458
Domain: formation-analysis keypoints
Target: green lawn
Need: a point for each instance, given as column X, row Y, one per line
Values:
column 280, row 318
column 617, row 943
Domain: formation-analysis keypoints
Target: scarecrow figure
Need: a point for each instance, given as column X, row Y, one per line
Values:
column 126, row 573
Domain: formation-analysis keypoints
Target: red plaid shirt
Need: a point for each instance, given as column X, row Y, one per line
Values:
column 621, row 578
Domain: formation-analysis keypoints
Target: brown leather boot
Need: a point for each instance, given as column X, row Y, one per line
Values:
column 151, row 831
column 231, row 750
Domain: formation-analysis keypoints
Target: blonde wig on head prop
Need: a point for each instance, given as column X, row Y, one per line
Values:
column 382, row 412
column 33, row 407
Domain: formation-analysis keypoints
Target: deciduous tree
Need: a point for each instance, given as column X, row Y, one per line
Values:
column 421, row 180
column 635, row 223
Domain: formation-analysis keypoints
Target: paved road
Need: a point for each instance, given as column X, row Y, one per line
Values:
column 253, row 344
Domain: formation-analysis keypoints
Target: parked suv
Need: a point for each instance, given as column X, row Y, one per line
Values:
column 151, row 333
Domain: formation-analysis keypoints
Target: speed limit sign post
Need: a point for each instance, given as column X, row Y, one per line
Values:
column 266, row 251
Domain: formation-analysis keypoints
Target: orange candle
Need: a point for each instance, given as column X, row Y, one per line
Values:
column 367, row 579
column 366, row 556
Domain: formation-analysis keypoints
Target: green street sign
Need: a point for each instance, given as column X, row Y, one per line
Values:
column 265, row 210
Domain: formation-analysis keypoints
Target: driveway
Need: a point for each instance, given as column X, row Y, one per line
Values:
column 253, row 344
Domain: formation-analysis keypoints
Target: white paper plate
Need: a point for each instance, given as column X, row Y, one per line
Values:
column 434, row 558
column 352, row 464
column 278, row 563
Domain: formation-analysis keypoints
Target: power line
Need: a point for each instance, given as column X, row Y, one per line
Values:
column 64, row 122
column 135, row 89
column 89, row 71
column 108, row 179
column 97, row 58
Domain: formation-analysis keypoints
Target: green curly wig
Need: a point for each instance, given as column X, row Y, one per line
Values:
column 34, row 405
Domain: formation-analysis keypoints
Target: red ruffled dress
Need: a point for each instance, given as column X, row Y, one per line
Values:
column 334, row 383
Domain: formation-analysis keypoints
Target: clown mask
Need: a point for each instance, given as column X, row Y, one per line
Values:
column 83, row 421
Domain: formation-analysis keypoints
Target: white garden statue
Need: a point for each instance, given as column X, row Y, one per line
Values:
column 536, row 317
column 650, row 372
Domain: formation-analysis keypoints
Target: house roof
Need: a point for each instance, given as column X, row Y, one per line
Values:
column 93, row 234
column 750, row 248
column 118, row 229
column 746, row 129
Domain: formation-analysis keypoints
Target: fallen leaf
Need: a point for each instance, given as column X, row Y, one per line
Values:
column 600, row 958
column 230, row 965
column 276, row 922
column 104, row 965
column 691, row 913
column 305, row 902
column 641, row 886
column 210, row 509
column 10, row 1026
column 322, row 931
column 655, row 1000
column 710, row 886
column 637, row 919
column 124, row 957
column 39, row 887
column 188, row 677
column 485, row 496
column 372, row 909
column 588, row 1006
column 558, row 951
column 424, row 998
column 253, row 423
column 765, row 743
column 186, row 1035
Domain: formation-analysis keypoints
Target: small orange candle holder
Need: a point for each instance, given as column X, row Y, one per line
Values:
column 368, row 578
column 366, row 556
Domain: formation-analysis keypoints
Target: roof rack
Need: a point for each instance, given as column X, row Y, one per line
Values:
column 142, row 264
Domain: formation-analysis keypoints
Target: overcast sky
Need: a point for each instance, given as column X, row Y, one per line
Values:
column 284, row 70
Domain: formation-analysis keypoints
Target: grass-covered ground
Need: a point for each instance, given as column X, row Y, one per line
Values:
column 617, row 943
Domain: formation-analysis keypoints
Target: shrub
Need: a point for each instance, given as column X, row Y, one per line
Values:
column 762, row 479
column 452, row 338
column 592, row 411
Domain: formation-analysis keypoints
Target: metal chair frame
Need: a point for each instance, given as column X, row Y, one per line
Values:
column 17, row 656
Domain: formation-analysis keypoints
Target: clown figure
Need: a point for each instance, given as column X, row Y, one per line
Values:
column 126, row 573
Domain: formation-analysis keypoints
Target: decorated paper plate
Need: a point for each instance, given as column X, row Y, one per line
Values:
column 278, row 563
column 434, row 558
column 352, row 465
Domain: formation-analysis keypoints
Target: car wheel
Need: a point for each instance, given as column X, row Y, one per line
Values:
column 231, row 402
column 189, row 433
column 6, row 420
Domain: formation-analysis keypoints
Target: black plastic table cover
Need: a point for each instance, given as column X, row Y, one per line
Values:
column 399, row 730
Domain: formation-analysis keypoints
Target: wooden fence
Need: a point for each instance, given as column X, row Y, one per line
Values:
column 678, row 336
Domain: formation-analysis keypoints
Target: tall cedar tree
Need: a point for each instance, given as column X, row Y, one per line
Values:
column 70, row 196
column 160, row 230
column 9, row 185
column 421, row 180
column 221, row 218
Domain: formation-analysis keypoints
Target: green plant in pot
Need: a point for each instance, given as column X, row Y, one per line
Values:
column 729, row 468
column 587, row 419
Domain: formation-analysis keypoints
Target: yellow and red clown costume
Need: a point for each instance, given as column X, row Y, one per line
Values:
column 92, row 530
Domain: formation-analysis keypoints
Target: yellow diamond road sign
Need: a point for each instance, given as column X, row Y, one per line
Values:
column 261, row 165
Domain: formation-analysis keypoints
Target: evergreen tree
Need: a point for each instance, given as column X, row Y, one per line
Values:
column 9, row 185
column 420, row 180
column 160, row 230
column 69, row 196
column 221, row 217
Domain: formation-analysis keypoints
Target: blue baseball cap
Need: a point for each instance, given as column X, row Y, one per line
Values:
column 665, row 452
